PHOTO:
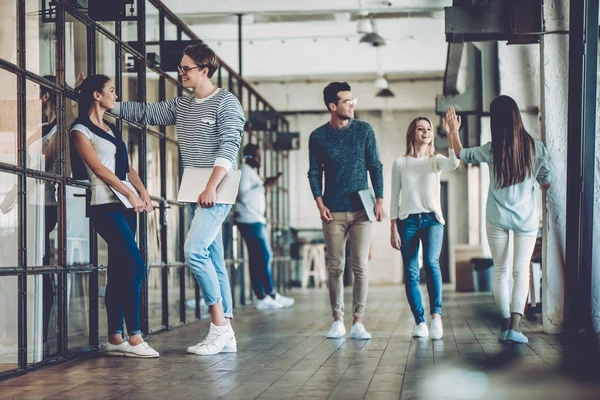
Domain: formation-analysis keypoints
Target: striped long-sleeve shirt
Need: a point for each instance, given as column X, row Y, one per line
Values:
column 209, row 130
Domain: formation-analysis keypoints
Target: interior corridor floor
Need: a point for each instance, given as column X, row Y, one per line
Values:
column 284, row 354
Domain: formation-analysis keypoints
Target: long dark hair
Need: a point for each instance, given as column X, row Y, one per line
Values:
column 512, row 146
column 85, row 92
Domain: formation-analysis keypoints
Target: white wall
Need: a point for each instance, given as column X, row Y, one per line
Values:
column 390, row 127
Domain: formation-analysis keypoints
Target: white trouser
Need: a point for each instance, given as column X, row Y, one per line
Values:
column 523, row 244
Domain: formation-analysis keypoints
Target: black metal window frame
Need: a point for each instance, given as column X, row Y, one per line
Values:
column 275, row 161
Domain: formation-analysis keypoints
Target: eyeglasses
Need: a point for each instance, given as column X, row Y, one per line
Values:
column 352, row 101
column 184, row 69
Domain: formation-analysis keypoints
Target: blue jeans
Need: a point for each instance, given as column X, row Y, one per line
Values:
column 126, row 269
column 204, row 255
column 260, row 255
column 415, row 229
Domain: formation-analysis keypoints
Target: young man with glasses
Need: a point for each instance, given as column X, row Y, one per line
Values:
column 209, row 125
column 343, row 150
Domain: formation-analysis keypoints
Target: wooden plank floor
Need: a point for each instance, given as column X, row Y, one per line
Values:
column 284, row 354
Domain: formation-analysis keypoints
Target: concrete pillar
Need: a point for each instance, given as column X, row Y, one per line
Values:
column 554, row 58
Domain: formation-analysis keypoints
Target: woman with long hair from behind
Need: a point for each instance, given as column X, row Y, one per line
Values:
column 98, row 153
column 416, row 219
column 517, row 161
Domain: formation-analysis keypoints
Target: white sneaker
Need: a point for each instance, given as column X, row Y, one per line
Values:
column 283, row 300
column 436, row 329
column 230, row 347
column 338, row 330
column 218, row 337
column 268, row 303
column 422, row 330
column 142, row 350
column 359, row 332
column 116, row 349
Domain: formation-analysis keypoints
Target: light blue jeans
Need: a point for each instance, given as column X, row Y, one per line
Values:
column 205, row 257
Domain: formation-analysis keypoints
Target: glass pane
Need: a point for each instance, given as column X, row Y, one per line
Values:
column 108, row 25
column 8, row 110
column 130, row 68
column 9, row 221
column 153, row 165
column 8, row 322
column 152, row 24
column 172, row 173
column 75, row 49
column 42, row 321
column 42, row 218
column 131, row 137
column 174, row 242
column 170, row 30
column 78, row 306
column 155, row 298
column 8, row 30
column 105, row 56
column 171, row 93
column 152, row 94
column 102, row 319
column 154, row 252
column 40, row 31
column 173, row 279
column 190, row 296
column 42, row 141
column 78, row 227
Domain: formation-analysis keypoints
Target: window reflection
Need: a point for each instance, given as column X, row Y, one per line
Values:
column 42, row 323
column 130, row 68
column 75, row 49
column 172, row 173
column 174, row 242
column 8, row 322
column 155, row 298
column 153, row 163
column 154, row 251
column 190, row 296
column 43, row 145
column 105, row 56
column 42, row 222
column 8, row 30
column 9, row 220
column 78, row 306
column 8, row 110
column 131, row 137
column 40, row 28
column 78, row 227
column 173, row 280
column 170, row 93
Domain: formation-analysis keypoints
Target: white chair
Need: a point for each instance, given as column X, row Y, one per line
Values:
column 313, row 264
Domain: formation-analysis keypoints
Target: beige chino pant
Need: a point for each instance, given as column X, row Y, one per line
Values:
column 356, row 227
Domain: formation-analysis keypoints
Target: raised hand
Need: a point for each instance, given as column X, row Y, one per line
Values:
column 452, row 121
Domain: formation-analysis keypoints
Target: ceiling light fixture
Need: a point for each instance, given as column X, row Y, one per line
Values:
column 385, row 93
column 373, row 39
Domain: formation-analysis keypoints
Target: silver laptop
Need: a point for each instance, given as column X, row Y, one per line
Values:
column 194, row 182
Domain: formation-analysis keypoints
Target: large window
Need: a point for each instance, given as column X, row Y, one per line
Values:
column 52, row 262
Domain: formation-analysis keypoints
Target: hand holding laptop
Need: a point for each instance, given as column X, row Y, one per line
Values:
column 194, row 187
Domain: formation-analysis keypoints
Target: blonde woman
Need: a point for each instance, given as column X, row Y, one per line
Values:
column 416, row 219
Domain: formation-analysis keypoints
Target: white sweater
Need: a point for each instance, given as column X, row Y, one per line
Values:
column 416, row 184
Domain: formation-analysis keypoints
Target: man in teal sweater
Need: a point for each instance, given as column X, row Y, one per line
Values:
column 343, row 150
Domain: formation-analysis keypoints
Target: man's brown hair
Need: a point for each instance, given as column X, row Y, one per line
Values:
column 203, row 56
